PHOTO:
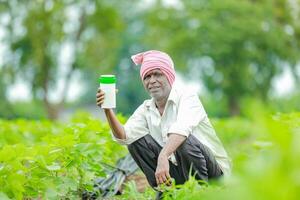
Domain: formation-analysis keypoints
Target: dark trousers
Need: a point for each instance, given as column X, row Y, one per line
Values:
column 190, row 155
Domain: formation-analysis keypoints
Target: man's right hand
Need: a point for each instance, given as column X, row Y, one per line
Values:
column 115, row 125
column 99, row 97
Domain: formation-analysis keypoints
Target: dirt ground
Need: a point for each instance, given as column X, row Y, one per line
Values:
column 140, row 181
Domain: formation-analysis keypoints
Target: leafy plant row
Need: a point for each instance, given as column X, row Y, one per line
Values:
column 49, row 160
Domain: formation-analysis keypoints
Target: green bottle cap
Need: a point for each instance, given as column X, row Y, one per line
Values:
column 107, row 79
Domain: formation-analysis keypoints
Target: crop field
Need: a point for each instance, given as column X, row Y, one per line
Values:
column 51, row 160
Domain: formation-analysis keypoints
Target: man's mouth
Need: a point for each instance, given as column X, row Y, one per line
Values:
column 154, row 88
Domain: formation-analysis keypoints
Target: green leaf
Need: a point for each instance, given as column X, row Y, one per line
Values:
column 3, row 196
column 53, row 167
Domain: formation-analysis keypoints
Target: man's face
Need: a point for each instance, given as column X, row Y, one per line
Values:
column 157, row 84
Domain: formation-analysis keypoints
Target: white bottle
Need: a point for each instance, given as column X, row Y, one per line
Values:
column 108, row 86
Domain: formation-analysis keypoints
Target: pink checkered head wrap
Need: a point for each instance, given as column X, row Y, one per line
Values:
column 154, row 59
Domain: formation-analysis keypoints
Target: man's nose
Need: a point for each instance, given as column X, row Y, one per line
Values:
column 152, row 79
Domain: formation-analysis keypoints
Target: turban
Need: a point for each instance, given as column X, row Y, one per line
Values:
column 154, row 59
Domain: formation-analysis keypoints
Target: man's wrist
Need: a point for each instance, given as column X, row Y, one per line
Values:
column 163, row 155
column 107, row 110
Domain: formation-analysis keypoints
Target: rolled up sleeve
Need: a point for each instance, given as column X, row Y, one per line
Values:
column 135, row 127
column 190, row 114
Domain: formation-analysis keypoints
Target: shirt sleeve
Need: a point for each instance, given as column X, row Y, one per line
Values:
column 135, row 127
column 190, row 113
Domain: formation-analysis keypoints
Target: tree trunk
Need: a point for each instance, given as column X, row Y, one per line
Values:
column 53, row 110
column 50, row 108
column 234, row 107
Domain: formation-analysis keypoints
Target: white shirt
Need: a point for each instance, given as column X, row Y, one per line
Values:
column 184, row 115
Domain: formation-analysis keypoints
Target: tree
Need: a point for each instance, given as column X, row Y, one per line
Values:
column 237, row 46
column 40, row 30
column 131, row 92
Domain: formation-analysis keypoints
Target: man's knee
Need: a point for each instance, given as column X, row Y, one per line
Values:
column 191, row 148
column 185, row 147
column 131, row 147
column 140, row 143
column 144, row 145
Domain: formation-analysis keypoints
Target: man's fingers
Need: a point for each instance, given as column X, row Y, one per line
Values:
column 163, row 178
column 100, row 91
column 160, row 180
column 168, row 175
column 99, row 102
column 100, row 98
column 157, row 181
column 99, row 94
column 168, row 181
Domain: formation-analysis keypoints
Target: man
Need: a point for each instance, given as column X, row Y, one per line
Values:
column 169, row 134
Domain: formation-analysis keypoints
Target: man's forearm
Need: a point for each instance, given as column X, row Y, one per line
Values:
column 115, row 125
column 174, row 141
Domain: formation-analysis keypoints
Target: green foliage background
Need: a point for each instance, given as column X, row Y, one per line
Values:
column 43, row 159
column 233, row 49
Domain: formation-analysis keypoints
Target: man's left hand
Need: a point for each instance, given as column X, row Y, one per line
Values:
column 162, row 170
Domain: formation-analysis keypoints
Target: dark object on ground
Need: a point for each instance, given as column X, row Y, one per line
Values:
column 111, row 185
column 159, row 195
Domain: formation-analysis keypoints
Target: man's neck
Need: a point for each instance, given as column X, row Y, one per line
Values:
column 160, row 104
